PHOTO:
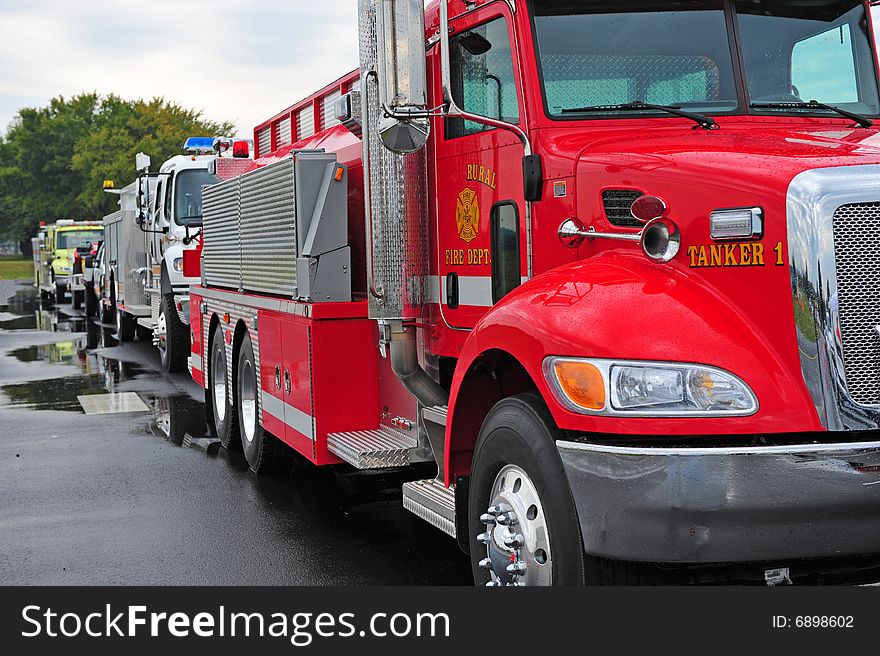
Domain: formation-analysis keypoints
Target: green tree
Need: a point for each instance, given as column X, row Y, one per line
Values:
column 54, row 159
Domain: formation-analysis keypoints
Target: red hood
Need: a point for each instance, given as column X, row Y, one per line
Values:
column 778, row 148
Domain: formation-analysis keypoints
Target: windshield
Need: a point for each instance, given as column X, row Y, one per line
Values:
column 599, row 53
column 803, row 51
column 608, row 53
column 188, row 195
column 77, row 238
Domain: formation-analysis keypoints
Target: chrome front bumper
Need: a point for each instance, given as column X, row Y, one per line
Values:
column 726, row 505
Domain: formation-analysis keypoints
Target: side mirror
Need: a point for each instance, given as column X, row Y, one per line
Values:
column 404, row 136
column 403, row 81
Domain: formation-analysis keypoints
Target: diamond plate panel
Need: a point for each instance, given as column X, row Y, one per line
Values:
column 397, row 252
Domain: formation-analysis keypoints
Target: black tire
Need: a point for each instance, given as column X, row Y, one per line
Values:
column 174, row 350
column 520, row 431
column 227, row 424
column 91, row 303
column 126, row 326
column 77, row 299
column 60, row 291
column 264, row 452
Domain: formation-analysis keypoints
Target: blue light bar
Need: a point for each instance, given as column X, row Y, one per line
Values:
column 199, row 144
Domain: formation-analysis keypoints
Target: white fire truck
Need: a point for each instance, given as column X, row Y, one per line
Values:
column 147, row 289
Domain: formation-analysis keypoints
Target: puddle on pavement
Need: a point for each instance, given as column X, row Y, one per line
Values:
column 53, row 394
column 177, row 416
column 173, row 417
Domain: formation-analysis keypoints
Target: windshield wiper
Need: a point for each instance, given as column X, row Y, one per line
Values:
column 706, row 122
column 863, row 121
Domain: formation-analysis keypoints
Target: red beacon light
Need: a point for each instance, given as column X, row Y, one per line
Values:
column 241, row 148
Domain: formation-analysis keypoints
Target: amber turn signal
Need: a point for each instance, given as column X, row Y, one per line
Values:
column 582, row 383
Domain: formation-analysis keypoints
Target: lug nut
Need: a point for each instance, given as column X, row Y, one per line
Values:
column 516, row 569
column 507, row 519
column 486, row 563
column 495, row 510
column 487, row 519
column 514, row 541
column 494, row 583
column 484, row 538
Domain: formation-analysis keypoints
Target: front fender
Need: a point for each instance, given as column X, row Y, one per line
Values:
column 622, row 306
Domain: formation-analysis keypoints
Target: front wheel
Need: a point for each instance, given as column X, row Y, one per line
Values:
column 173, row 338
column 521, row 509
column 264, row 452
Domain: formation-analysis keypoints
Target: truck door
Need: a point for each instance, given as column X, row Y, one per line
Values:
column 155, row 236
column 478, row 171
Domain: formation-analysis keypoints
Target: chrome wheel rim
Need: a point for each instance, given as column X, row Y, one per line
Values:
column 517, row 538
column 247, row 393
column 218, row 382
column 161, row 334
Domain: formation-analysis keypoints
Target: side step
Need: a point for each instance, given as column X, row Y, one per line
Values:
column 372, row 449
column 433, row 502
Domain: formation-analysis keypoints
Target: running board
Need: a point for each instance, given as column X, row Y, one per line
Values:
column 433, row 502
column 372, row 449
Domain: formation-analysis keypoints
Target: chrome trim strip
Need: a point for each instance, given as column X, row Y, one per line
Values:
column 241, row 299
column 260, row 302
column 474, row 291
column 794, row 449
column 292, row 417
column 813, row 198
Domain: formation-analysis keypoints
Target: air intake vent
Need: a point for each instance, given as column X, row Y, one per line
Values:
column 856, row 234
column 617, row 207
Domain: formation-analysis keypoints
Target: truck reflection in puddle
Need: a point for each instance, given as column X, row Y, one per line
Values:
column 174, row 417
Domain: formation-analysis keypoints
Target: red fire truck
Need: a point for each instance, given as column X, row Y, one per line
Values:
column 607, row 264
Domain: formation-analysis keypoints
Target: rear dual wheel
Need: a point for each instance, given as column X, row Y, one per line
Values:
column 264, row 452
column 222, row 408
column 126, row 326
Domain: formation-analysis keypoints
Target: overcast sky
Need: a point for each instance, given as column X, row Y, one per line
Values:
column 237, row 60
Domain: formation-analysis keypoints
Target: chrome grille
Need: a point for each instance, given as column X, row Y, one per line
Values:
column 857, row 253
column 618, row 203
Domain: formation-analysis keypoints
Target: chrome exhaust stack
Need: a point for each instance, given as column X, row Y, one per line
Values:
column 395, row 129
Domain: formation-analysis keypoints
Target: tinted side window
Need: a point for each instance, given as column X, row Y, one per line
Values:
column 504, row 222
column 482, row 77
column 168, row 199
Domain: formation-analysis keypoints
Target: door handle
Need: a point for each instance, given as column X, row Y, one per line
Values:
column 452, row 291
column 277, row 378
column 286, row 381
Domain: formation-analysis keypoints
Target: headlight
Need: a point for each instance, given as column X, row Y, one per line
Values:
column 177, row 264
column 650, row 389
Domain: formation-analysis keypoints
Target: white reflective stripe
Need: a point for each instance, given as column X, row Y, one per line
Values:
column 196, row 361
column 288, row 415
column 475, row 291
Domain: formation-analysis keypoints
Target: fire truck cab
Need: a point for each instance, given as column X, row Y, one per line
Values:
column 608, row 264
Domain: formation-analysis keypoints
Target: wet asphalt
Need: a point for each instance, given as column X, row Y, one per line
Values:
column 124, row 499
